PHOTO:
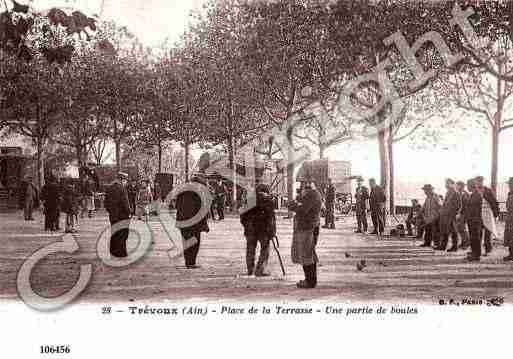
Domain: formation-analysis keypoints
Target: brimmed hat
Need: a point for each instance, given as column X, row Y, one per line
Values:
column 359, row 179
column 122, row 175
column 427, row 187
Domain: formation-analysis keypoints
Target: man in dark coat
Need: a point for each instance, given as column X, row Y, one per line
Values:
column 118, row 207
column 220, row 199
column 377, row 201
column 304, row 241
column 188, row 204
column 461, row 221
column 51, row 196
column 473, row 215
column 330, row 206
column 489, row 197
column 259, row 225
column 448, row 212
column 361, row 197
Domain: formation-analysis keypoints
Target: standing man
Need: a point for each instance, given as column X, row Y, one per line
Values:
column 493, row 204
column 307, row 218
column 157, row 197
column 361, row 196
column 118, row 207
column 431, row 215
column 473, row 214
column 377, row 201
column 461, row 221
column 30, row 198
column 50, row 196
column 188, row 204
column 132, row 192
column 330, row 206
column 259, row 227
column 448, row 212
column 220, row 191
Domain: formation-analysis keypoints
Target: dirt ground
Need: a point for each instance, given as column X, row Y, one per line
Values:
column 397, row 270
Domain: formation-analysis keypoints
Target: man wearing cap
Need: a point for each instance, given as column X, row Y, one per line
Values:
column 330, row 206
column 508, row 228
column 448, row 212
column 118, row 207
column 461, row 221
column 493, row 204
column 361, row 197
column 259, row 224
column 377, row 199
column 431, row 215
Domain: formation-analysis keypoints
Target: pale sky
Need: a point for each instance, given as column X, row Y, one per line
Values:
column 151, row 20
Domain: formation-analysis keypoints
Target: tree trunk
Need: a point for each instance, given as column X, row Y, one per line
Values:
column 322, row 148
column 383, row 159
column 495, row 158
column 186, row 159
column 40, row 164
column 391, row 184
column 233, row 166
column 79, row 154
column 160, row 155
column 118, row 155
column 290, row 168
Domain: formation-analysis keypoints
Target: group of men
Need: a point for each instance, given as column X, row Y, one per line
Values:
column 54, row 197
column 468, row 211
column 373, row 201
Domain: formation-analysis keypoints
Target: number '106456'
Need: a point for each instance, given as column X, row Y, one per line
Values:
column 55, row 349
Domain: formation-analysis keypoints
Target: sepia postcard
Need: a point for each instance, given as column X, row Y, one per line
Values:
column 237, row 178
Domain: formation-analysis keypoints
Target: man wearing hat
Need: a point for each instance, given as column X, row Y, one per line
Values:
column 188, row 204
column 29, row 198
column 259, row 225
column 508, row 229
column 377, row 200
column 430, row 214
column 461, row 221
column 330, row 206
column 118, row 207
column 493, row 204
column 473, row 215
column 448, row 213
column 304, row 240
column 361, row 197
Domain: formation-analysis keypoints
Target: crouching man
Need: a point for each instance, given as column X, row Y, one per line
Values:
column 259, row 224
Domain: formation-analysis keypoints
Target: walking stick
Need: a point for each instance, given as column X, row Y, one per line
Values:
column 276, row 245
